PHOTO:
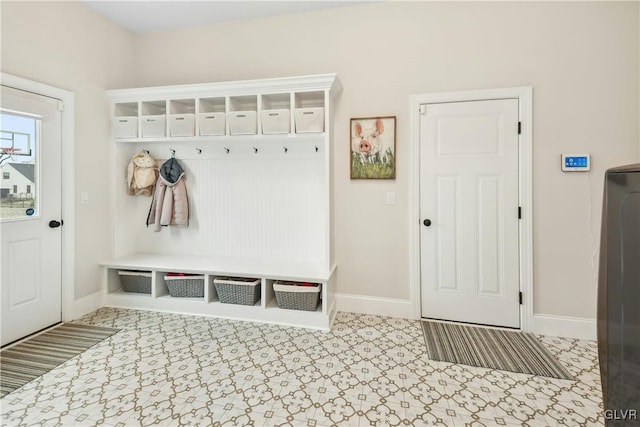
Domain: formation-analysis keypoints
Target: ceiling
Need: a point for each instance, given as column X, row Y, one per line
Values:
column 149, row 16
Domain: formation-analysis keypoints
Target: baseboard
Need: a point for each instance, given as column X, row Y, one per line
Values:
column 84, row 305
column 390, row 307
column 561, row 326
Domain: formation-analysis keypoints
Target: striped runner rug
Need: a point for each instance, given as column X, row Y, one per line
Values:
column 491, row 348
column 36, row 356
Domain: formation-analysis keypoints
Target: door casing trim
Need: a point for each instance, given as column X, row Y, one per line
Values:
column 524, row 94
column 68, row 182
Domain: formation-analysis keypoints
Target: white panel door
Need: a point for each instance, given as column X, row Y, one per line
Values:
column 469, row 212
column 30, row 213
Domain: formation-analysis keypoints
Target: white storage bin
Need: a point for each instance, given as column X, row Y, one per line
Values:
column 153, row 126
column 125, row 127
column 243, row 122
column 211, row 124
column 182, row 124
column 309, row 119
column 276, row 121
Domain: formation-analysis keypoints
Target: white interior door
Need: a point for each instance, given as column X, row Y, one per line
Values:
column 30, row 215
column 469, row 207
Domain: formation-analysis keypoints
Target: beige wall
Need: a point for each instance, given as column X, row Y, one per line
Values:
column 580, row 58
column 67, row 45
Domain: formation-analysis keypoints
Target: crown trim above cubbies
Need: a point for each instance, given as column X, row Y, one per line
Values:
column 231, row 88
column 243, row 138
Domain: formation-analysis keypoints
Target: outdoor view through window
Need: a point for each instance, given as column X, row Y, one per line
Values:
column 18, row 166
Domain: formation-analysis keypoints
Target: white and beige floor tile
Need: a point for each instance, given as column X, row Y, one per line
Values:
column 179, row 370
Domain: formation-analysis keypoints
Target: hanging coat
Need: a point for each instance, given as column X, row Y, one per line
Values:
column 170, row 205
column 141, row 175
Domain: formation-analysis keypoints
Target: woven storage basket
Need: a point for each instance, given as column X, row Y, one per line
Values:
column 135, row 281
column 293, row 297
column 185, row 286
column 232, row 290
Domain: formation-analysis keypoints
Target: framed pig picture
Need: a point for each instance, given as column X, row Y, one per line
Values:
column 373, row 147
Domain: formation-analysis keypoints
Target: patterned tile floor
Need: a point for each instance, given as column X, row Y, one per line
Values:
column 178, row 370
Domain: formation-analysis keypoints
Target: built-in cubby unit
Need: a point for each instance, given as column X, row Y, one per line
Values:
column 259, row 186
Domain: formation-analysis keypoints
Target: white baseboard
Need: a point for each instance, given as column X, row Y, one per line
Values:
column 561, row 326
column 84, row 305
column 390, row 307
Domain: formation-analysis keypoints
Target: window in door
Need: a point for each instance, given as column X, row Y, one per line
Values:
column 18, row 162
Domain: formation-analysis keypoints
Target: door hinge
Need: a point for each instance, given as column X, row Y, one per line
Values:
column 423, row 109
column 520, row 298
column 519, row 212
column 519, row 128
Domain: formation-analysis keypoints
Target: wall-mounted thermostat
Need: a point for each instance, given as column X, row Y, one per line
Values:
column 576, row 162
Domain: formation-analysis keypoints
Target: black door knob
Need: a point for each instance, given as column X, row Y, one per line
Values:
column 55, row 224
column 426, row 222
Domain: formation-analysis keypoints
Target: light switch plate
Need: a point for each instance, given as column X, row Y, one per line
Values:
column 391, row 198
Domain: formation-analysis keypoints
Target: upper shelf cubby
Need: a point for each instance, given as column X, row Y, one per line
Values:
column 309, row 112
column 212, row 116
column 153, row 119
column 275, row 115
column 182, row 113
column 285, row 106
column 125, row 120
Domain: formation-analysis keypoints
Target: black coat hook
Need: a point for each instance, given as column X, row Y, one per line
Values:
column 255, row 150
column 173, row 153
column 226, row 150
column 316, row 148
column 199, row 150
column 285, row 149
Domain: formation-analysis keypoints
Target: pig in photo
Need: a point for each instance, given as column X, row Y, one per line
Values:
column 373, row 148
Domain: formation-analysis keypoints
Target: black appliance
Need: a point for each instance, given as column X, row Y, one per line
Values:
column 619, row 297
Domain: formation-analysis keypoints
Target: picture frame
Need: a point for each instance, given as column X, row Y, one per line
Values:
column 373, row 147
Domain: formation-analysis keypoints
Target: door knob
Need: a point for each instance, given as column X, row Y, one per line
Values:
column 426, row 222
column 55, row 224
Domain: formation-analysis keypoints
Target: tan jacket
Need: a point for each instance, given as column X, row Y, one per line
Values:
column 141, row 175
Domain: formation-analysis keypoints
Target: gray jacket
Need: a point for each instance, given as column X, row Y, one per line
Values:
column 170, row 205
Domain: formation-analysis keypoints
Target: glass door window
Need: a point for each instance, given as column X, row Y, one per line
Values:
column 19, row 136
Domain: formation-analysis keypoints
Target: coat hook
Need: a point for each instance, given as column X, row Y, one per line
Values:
column 173, row 152
column 316, row 148
column 199, row 150
column 285, row 149
column 226, row 150
column 146, row 151
column 255, row 150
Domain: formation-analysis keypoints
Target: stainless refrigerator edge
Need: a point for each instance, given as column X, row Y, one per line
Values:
column 619, row 297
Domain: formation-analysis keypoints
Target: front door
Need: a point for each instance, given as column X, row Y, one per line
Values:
column 469, row 211
column 30, row 213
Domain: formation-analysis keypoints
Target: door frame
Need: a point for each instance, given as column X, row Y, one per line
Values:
column 524, row 94
column 68, row 181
